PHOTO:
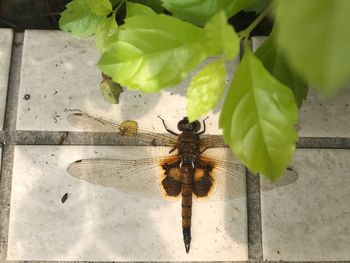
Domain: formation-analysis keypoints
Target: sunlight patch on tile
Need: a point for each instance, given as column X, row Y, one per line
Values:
column 97, row 223
column 61, row 78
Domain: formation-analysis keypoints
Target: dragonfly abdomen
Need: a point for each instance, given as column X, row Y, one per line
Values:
column 186, row 202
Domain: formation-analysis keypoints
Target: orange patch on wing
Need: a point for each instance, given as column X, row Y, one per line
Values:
column 175, row 173
column 168, row 160
column 198, row 174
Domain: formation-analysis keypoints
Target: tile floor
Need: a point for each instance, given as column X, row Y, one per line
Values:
column 308, row 220
column 300, row 221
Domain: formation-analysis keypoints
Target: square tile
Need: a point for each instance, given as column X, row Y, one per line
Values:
column 322, row 116
column 6, row 38
column 98, row 223
column 61, row 77
column 309, row 219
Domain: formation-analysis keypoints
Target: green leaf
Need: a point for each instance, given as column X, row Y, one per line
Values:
column 78, row 19
column 153, row 52
column 275, row 62
column 110, row 90
column 200, row 11
column 206, row 89
column 156, row 5
column 100, row 7
column 104, row 30
column 221, row 37
column 315, row 36
column 258, row 119
column 258, row 6
column 134, row 9
column 115, row 2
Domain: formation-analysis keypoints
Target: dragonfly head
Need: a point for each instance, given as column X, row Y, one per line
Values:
column 185, row 125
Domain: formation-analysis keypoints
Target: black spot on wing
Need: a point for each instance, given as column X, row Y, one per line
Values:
column 172, row 180
column 171, row 186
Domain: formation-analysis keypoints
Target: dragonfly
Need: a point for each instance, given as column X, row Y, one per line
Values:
column 193, row 168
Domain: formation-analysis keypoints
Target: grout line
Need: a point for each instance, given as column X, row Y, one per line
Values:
column 8, row 150
column 323, row 142
column 105, row 138
column 87, row 138
column 14, row 82
column 7, row 72
column 5, row 197
column 255, row 248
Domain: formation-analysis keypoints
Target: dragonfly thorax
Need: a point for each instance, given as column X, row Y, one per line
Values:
column 188, row 147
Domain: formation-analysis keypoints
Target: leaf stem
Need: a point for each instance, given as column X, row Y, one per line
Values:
column 246, row 32
column 118, row 6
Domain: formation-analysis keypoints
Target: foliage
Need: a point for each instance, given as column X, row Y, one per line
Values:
column 321, row 53
column 199, row 12
column 80, row 19
column 160, row 42
column 276, row 63
column 138, row 55
column 259, row 111
column 110, row 90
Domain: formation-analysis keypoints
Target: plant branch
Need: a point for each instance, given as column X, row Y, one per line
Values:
column 116, row 9
column 246, row 32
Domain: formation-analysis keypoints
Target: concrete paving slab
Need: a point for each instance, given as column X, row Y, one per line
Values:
column 309, row 219
column 60, row 77
column 6, row 38
column 322, row 116
column 98, row 223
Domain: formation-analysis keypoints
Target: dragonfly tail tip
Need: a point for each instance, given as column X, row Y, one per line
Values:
column 187, row 247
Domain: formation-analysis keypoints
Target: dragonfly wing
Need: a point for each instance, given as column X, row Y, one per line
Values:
column 211, row 141
column 289, row 177
column 141, row 177
column 230, row 182
column 226, row 174
column 90, row 123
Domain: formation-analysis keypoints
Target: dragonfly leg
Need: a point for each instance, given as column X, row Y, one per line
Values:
column 166, row 128
column 203, row 126
column 173, row 149
column 202, row 151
